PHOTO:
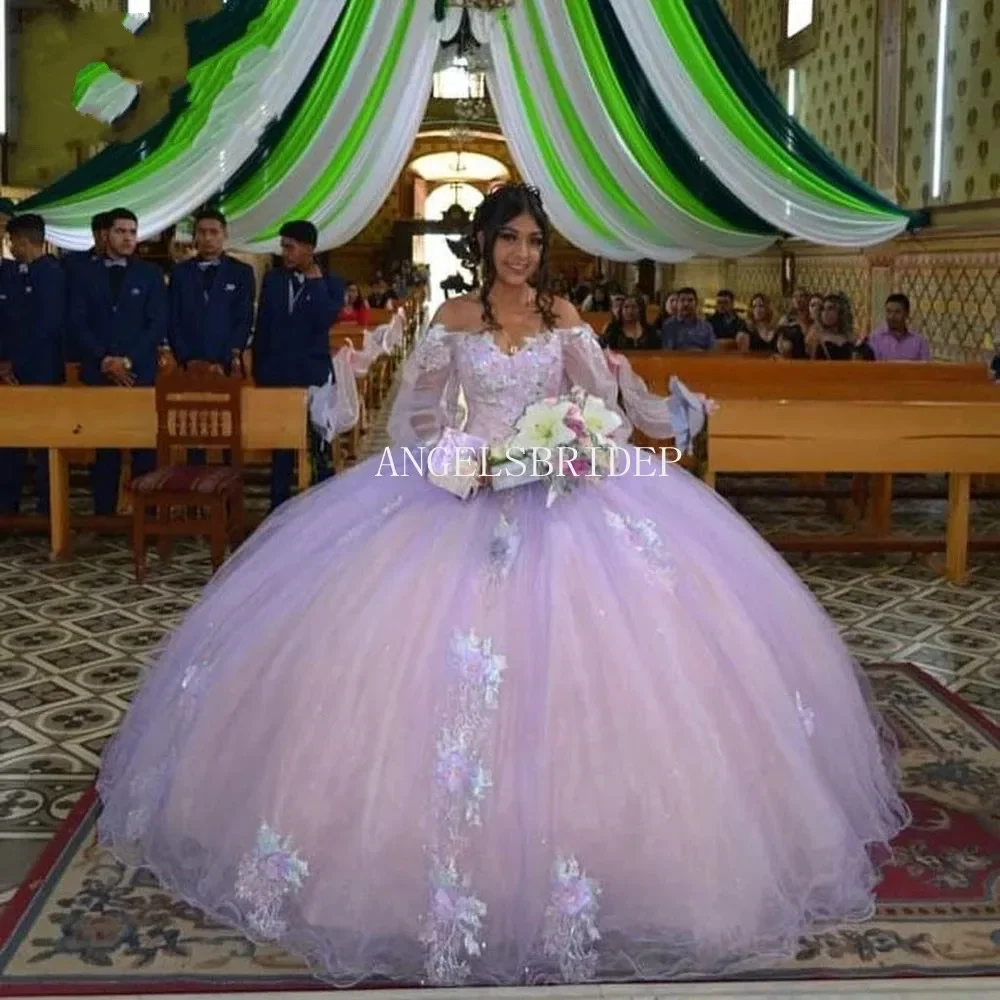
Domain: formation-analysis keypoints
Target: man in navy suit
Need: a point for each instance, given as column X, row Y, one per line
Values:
column 211, row 300
column 78, row 265
column 118, row 318
column 32, row 317
column 100, row 224
column 298, row 305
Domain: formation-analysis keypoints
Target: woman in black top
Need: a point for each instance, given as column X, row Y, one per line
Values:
column 761, row 334
column 834, row 337
column 631, row 332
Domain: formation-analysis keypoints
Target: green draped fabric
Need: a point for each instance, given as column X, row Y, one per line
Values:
column 736, row 66
column 278, row 129
column 671, row 146
column 205, row 38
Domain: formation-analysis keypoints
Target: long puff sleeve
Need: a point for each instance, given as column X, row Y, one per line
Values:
column 587, row 366
column 420, row 412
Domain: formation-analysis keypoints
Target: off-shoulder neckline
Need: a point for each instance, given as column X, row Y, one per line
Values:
column 578, row 328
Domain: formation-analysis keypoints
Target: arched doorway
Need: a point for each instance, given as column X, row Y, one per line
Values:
column 444, row 180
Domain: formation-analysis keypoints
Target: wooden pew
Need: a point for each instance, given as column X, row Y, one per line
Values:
column 65, row 419
column 956, row 437
column 596, row 321
column 746, row 374
column 842, row 387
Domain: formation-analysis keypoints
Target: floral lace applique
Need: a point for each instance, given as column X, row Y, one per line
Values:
column 806, row 714
column 266, row 876
column 641, row 533
column 454, row 924
column 455, row 927
column 570, row 927
column 505, row 543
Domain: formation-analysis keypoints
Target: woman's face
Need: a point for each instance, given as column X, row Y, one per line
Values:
column 815, row 308
column 671, row 305
column 758, row 310
column 517, row 253
column 353, row 294
column 630, row 311
column 616, row 304
column 830, row 315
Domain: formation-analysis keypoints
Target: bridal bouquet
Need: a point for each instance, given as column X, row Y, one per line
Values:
column 564, row 441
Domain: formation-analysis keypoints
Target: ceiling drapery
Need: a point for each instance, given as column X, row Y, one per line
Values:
column 643, row 122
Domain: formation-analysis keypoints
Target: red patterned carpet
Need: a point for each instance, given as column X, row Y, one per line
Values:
column 83, row 924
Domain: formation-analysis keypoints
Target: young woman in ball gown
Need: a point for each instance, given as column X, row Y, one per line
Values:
column 414, row 738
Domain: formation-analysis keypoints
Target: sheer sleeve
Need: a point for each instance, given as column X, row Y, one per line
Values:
column 427, row 392
column 620, row 388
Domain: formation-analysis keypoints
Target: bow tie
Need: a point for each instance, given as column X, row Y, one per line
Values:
column 115, row 263
column 204, row 265
column 22, row 269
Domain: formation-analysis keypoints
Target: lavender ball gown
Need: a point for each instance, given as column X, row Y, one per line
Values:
column 419, row 739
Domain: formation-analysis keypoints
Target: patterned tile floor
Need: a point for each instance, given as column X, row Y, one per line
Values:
column 76, row 636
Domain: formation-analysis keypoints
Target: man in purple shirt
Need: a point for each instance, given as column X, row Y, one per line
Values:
column 895, row 340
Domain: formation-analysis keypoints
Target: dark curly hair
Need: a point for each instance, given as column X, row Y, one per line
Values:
column 494, row 212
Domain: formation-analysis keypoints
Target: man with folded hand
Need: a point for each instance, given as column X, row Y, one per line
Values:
column 118, row 317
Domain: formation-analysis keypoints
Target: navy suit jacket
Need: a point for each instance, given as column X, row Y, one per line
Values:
column 133, row 327
column 33, row 320
column 76, row 267
column 210, row 328
column 292, row 348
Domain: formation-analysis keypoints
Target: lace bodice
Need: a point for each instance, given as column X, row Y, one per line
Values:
column 498, row 387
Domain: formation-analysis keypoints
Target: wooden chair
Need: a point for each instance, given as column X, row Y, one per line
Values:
column 193, row 410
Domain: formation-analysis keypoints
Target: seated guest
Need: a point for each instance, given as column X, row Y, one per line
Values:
column 118, row 317
column 598, row 301
column 32, row 321
column 380, row 295
column 668, row 309
column 211, row 300
column 995, row 361
column 687, row 331
column 631, row 332
column 812, row 317
column 355, row 308
column 895, row 340
column 298, row 305
column 761, row 333
column 834, row 339
column 790, row 344
column 726, row 325
column 799, row 309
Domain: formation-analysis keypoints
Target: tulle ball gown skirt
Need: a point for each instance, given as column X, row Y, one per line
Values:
column 413, row 738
